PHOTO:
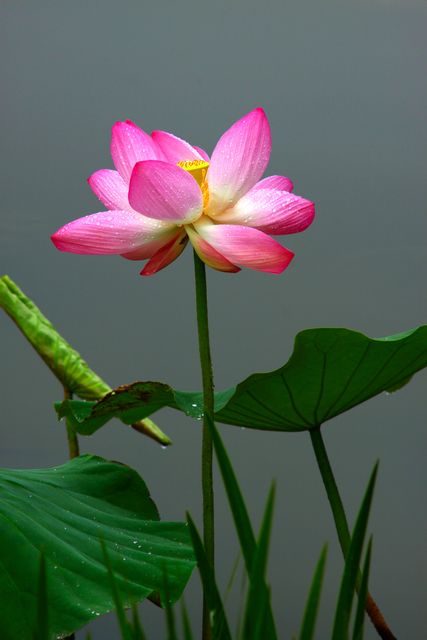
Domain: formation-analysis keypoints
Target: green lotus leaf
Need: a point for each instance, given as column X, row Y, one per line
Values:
column 329, row 372
column 133, row 402
column 66, row 509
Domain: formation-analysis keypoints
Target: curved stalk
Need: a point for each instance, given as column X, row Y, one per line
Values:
column 341, row 526
column 208, row 406
column 73, row 443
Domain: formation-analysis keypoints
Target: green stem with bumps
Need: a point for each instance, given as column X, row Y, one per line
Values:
column 208, row 406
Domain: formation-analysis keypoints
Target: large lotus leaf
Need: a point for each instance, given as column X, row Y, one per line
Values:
column 66, row 509
column 329, row 372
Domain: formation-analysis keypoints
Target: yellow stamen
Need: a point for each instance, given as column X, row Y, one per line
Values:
column 198, row 169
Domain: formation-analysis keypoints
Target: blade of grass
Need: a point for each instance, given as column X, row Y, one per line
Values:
column 312, row 606
column 186, row 626
column 237, row 505
column 258, row 624
column 351, row 569
column 137, row 631
column 213, row 599
column 120, row 610
column 261, row 555
column 241, row 606
column 359, row 621
column 170, row 618
column 233, row 575
column 341, row 525
column 238, row 508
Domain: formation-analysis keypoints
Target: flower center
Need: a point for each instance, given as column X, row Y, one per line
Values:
column 198, row 169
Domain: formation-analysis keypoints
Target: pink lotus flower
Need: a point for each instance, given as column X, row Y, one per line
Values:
column 166, row 192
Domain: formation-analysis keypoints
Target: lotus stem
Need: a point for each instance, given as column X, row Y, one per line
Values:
column 341, row 526
column 208, row 406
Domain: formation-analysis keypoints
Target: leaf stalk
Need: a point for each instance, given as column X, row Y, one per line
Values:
column 73, row 442
column 341, row 526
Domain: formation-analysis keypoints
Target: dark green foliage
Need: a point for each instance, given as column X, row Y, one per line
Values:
column 312, row 606
column 258, row 621
column 66, row 509
column 41, row 631
column 220, row 626
column 254, row 555
column 363, row 592
column 351, row 569
column 330, row 371
column 186, row 626
column 115, row 592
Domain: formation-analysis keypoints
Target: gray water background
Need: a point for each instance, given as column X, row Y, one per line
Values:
column 343, row 85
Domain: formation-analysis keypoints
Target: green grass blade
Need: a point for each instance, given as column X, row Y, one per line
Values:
column 312, row 606
column 238, row 509
column 170, row 618
column 120, row 610
column 41, row 631
column 232, row 577
column 220, row 624
column 351, row 569
column 137, row 631
column 241, row 605
column 359, row 620
column 261, row 555
column 186, row 626
column 258, row 623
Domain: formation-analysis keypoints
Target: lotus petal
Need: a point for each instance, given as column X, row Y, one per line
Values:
column 166, row 254
column 209, row 255
column 129, row 145
column 174, row 149
column 247, row 247
column 111, row 189
column 238, row 161
column 165, row 192
column 108, row 233
column 270, row 211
